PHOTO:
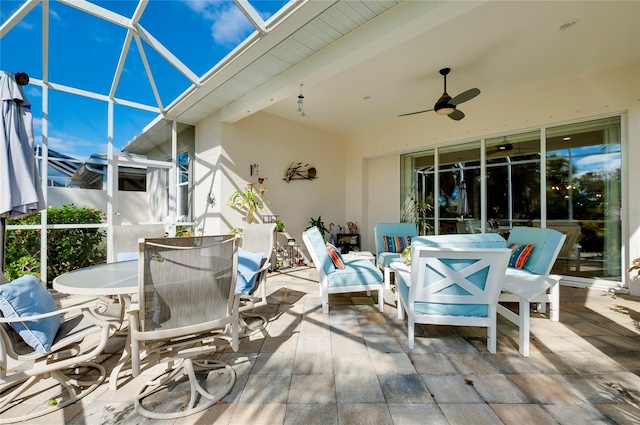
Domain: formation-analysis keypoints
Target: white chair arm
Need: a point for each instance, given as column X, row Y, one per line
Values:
column 89, row 306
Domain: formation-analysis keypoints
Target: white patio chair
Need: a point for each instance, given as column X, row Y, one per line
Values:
column 253, row 269
column 186, row 307
column 41, row 350
column 451, row 286
column 533, row 283
column 125, row 239
column 355, row 275
column 386, row 252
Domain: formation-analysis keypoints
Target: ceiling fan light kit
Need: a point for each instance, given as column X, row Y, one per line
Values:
column 447, row 105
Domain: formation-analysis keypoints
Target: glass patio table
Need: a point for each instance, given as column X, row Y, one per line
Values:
column 102, row 280
column 120, row 278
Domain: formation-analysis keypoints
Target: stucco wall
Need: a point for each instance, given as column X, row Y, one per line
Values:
column 135, row 210
column 273, row 143
column 588, row 97
column 358, row 176
column 208, row 177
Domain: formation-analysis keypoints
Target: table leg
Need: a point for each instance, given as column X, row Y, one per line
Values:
column 126, row 356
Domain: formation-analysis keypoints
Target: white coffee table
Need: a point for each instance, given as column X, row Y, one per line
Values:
column 359, row 255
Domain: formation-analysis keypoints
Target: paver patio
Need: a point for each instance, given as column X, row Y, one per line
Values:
column 353, row 366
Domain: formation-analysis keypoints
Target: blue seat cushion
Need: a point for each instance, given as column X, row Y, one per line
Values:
column 248, row 265
column 386, row 258
column 443, row 309
column 27, row 296
column 356, row 272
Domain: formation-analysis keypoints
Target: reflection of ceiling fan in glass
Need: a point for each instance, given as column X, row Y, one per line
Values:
column 508, row 147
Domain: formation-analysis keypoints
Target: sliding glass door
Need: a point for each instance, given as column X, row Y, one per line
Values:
column 583, row 196
column 566, row 177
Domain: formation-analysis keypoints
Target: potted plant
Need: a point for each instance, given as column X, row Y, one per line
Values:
column 248, row 200
column 280, row 226
column 317, row 222
column 417, row 211
column 406, row 255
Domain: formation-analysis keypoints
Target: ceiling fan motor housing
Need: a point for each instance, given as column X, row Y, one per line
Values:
column 447, row 105
column 442, row 106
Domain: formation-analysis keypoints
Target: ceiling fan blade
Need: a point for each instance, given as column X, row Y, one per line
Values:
column 465, row 96
column 414, row 113
column 456, row 115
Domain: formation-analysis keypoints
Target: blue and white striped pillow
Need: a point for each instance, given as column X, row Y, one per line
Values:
column 396, row 243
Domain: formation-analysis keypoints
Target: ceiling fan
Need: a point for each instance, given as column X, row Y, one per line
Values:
column 446, row 105
column 504, row 147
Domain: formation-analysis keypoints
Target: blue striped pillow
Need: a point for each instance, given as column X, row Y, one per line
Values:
column 396, row 243
column 519, row 254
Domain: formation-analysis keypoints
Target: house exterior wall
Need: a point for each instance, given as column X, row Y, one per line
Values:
column 358, row 176
column 274, row 144
column 587, row 97
column 136, row 210
column 208, row 176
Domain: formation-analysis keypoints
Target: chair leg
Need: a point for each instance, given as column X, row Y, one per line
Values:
column 325, row 302
column 492, row 336
column 75, row 389
column 399, row 307
column 200, row 398
column 245, row 328
column 411, row 332
column 554, row 304
column 523, row 327
column 381, row 300
column 387, row 277
column 542, row 307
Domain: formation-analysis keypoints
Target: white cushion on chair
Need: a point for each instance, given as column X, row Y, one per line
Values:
column 26, row 296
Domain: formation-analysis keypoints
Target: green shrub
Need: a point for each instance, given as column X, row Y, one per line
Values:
column 68, row 249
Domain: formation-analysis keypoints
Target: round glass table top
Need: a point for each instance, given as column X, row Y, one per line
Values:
column 102, row 279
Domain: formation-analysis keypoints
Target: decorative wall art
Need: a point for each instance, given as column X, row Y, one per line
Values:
column 299, row 172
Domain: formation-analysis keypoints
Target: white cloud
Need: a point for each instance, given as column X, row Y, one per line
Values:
column 229, row 25
column 53, row 14
column 33, row 91
column 65, row 143
column 26, row 26
column 600, row 163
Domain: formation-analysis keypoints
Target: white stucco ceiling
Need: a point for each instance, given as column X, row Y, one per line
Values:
column 502, row 48
column 368, row 72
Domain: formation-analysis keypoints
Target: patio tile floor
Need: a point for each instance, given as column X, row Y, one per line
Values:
column 353, row 366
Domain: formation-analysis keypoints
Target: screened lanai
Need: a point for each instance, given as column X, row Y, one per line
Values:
column 99, row 72
column 172, row 100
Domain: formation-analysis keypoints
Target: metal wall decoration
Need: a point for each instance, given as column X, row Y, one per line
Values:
column 299, row 172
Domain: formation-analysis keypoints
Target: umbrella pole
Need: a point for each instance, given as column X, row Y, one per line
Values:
column 3, row 246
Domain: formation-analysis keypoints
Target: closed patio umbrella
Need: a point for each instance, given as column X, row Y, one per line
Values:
column 463, row 202
column 20, row 190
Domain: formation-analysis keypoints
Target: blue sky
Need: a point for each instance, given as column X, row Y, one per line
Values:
column 84, row 52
